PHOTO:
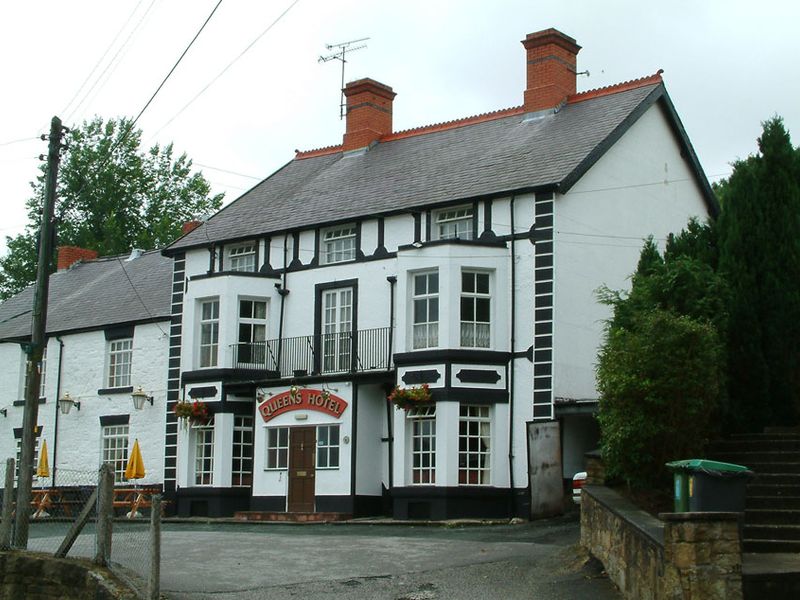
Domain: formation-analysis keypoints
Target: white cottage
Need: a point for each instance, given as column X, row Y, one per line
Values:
column 461, row 256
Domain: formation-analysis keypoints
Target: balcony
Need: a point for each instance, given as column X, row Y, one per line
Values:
column 324, row 354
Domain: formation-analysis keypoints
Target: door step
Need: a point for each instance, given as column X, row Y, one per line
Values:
column 291, row 517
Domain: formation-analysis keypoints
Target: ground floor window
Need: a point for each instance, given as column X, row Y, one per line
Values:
column 34, row 464
column 423, row 444
column 277, row 448
column 474, row 445
column 328, row 447
column 242, row 468
column 204, row 453
column 115, row 449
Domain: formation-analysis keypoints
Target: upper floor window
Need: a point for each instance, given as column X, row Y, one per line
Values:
column 475, row 310
column 209, row 332
column 242, row 258
column 454, row 223
column 425, row 303
column 42, row 373
column 252, row 332
column 120, row 356
column 338, row 244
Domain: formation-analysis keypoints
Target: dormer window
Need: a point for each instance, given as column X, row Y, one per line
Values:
column 242, row 258
column 454, row 223
column 338, row 244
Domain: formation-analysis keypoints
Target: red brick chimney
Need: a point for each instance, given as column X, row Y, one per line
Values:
column 191, row 226
column 369, row 113
column 69, row 255
column 551, row 63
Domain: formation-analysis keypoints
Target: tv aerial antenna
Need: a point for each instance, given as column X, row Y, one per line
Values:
column 342, row 49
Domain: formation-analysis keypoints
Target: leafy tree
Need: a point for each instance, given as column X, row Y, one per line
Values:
column 111, row 197
column 660, row 370
column 760, row 257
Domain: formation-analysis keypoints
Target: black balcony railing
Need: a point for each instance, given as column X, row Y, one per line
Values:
column 345, row 352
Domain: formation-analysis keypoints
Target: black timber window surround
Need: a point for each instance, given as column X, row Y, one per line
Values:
column 242, row 258
column 454, row 223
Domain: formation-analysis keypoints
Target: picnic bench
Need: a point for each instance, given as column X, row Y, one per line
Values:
column 47, row 500
column 134, row 498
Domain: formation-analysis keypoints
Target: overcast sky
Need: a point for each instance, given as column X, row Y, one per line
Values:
column 728, row 65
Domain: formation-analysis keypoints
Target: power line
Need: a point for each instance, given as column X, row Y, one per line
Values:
column 19, row 141
column 223, row 71
column 227, row 171
column 135, row 291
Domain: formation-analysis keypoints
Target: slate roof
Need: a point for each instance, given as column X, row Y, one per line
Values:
column 96, row 294
column 436, row 166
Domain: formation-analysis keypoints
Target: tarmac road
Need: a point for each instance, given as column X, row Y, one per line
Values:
column 222, row 561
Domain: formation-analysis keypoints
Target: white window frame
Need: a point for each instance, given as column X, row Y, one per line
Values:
column 43, row 371
column 279, row 461
column 211, row 324
column 475, row 333
column 474, row 445
column 203, row 453
column 337, row 327
column 422, row 457
column 454, row 223
column 257, row 342
column 115, row 441
column 34, row 464
column 328, row 452
column 242, row 258
column 338, row 244
column 120, row 362
column 429, row 336
column 242, row 452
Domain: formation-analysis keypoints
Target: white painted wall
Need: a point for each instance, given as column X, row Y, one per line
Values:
column 641, row 186
column 371, row 453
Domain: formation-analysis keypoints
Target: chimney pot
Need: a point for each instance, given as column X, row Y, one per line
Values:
column 69, row 255
column 369, row 113
column 551, row 68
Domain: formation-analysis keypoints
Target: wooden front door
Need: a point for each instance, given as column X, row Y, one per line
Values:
column 302, row 454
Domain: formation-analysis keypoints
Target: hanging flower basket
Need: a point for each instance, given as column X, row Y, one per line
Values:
column 410, row 397
column 191, row 413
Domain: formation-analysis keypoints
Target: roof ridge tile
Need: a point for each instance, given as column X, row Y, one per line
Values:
column 615, row 88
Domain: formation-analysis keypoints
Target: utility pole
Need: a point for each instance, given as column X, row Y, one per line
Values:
column 36, row 347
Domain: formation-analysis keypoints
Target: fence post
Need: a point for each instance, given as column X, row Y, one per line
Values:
column 8, row 507
column 154, row 581
column 105, row 515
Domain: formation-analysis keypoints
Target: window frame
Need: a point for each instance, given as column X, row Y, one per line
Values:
column 116, row 374
column 471, row 416
column 418, row 471
column 110, row 436
column 213, row 323
column 338, row 244
column 240, row 457
column 257, row 347
column 475, row 296
column 18, row 456
column 453, row 217
column 242, row 258
column 428, row 298
column 43, row 374
column 203, row 439
column 326, row 447
column 281, row 450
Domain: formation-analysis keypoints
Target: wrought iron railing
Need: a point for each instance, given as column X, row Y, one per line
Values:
column 345, row 352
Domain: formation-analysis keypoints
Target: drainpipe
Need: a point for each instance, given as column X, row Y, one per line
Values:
column 58, row 395
column 283, row 293
column 512, row 498
column 389, row 411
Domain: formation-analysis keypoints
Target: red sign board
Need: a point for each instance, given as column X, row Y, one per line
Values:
column 302, row 399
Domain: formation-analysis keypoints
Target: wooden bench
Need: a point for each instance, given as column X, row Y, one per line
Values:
column 47, row 500
column 132, row 499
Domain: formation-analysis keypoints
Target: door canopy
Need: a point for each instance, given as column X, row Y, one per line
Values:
column 297, row 398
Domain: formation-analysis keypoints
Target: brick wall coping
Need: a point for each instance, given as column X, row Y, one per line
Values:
column 700, row 517
column 643, row 522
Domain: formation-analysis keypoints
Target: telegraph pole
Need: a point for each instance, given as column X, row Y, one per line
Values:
column 36, row 347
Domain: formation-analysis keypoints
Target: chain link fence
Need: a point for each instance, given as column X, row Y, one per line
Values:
column 56, row 510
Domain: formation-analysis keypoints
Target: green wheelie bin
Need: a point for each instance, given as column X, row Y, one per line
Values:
column 709, row 486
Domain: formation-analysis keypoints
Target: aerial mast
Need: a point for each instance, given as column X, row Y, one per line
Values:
column 341, row 51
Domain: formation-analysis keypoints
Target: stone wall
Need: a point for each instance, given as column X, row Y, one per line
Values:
column 683, row 555
column 38, row 577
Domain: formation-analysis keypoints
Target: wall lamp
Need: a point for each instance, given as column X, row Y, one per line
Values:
column 4, row 412
column 66, row 402
column 140, row 397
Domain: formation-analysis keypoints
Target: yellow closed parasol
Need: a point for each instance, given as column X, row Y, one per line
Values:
column 135, row 468
column 43, row 469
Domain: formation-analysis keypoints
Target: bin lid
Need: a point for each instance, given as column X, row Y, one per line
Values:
column 707, row 466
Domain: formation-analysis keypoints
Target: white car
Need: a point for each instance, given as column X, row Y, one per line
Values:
column 577, row 483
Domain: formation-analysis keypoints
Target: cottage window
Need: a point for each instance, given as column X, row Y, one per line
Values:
column 425, row 304
column 242, row 258
column 454, row 223
column 115, row 449
column 277, row 448
column 242, row 468
column 474, row 445
column 42, row 370
column 422, row 423
column 338, row 244
column 475, row 310
column 209, row 332
column 328, row 447
column 203, row 452
column 120, row 356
